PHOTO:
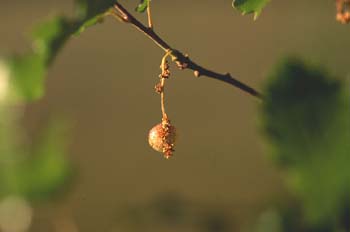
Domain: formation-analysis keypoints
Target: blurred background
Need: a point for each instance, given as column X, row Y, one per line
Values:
column 99, row 105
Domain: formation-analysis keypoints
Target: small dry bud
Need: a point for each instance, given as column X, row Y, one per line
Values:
column 159, row 88
column 181, row 65
column 196, row 73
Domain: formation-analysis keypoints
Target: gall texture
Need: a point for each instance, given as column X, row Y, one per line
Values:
column 162, row 138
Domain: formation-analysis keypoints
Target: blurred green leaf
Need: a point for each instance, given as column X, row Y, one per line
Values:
column 306, row 116
column 88, row 23
column 28, row 70
column 49, row 36
column 27, row 75
column 142, row 7
column 89, row 9
column 91, row 12
column 36, row 173
column 49, row 170
column 250, row 6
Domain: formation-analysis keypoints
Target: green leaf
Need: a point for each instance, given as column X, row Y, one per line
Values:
column 90, row 22
column 39, row 173
column 26, row 76
column 142, row 7
column 91, row 12
column 306, row 115
column 48, row 171
column 250, row 6
column 88, row 9
column 49, row 36
column 28, row 70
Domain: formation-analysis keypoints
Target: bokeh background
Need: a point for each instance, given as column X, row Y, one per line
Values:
column 221, row 177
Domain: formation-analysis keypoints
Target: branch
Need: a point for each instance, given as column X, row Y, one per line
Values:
column 183, row 61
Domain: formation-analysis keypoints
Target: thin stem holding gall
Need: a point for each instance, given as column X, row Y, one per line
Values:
column 165, row 74
column 162, row 99
column 183, row 61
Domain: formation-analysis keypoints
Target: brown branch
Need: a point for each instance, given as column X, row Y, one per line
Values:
column 183, row 61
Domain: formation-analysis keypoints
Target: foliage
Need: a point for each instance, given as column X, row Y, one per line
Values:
column 306, row 116
column 142, row 7
column 250, row 6
column 28, row 70
column 34, row 172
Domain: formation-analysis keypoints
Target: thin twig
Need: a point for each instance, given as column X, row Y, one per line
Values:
column 183, row 61
column 149, row 16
